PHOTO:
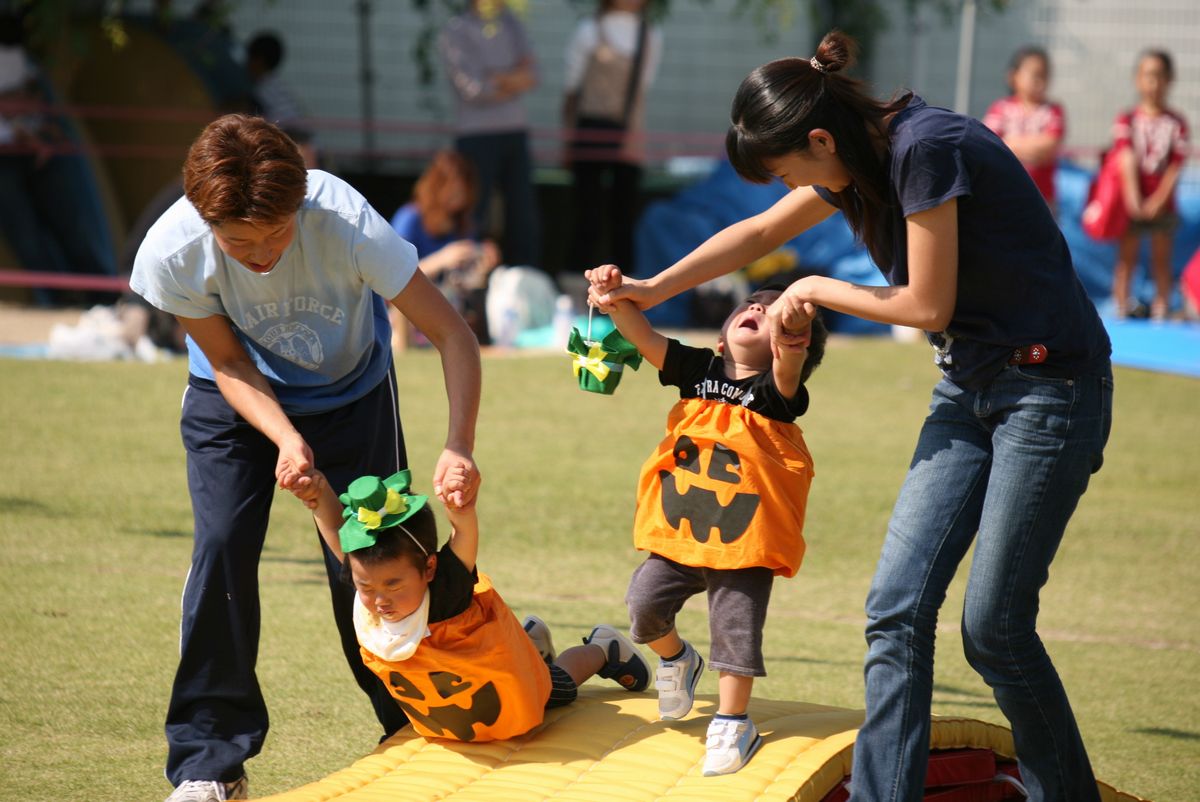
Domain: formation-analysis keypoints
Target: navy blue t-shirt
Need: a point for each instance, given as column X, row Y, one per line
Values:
column 1017, row 285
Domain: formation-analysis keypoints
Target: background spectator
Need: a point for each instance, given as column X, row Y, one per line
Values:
column 611, row 61
column 1031, row 126
column 439, row 223
column 274, row 99
column 491, row 66
column 50, row 211
column 1154, row 142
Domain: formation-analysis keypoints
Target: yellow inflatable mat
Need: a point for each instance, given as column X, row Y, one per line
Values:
column 609, row 745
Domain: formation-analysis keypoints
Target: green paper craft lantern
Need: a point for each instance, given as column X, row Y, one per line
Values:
column 598, row 365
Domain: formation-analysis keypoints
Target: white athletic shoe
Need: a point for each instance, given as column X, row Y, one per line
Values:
column 626, row 666
column 539, row 633
column 676, row 683
column 209, row 791
column 730, row 745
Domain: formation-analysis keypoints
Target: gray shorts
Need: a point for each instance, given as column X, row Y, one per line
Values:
column 737, row 609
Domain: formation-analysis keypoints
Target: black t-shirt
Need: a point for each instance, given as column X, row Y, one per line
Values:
column 452, row 587
column 700, row 373
column 1017, row 285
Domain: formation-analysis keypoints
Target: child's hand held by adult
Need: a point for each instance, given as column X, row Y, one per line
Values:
column 295, row 460
column 791, row 322
column 309, row 489
column 609, row 285
column 456, row 479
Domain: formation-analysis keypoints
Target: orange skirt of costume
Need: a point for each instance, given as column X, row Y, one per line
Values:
column 476, row 677
column 726, row 488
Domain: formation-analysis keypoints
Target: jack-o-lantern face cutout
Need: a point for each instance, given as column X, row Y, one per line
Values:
column 700, row 505
column 458, row 719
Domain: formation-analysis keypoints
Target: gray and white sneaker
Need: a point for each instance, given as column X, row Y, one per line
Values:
column 676, row 683
column 730, row 745
column 209, row 791
column 539, row 633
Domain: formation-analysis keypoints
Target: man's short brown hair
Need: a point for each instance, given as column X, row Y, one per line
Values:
column 244, row 169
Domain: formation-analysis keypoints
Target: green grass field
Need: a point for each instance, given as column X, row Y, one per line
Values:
column 95, row 536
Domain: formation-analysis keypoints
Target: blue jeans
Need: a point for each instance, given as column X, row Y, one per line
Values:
column 1005, row 464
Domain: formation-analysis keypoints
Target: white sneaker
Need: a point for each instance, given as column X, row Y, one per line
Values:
column 730, row 745
column 676, row 683
column 209, row 791
column 539, row 633
column 626, row 666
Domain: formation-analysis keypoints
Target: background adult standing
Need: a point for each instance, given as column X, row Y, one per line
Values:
column 611, row 61
column 279, row 276
column 491, row 66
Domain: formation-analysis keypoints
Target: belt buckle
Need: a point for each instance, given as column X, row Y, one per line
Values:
column 1029, row 355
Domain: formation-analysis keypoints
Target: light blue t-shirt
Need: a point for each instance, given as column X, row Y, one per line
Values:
column 316, row 325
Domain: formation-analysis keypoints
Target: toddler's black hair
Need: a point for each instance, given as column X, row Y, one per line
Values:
column 394, row 543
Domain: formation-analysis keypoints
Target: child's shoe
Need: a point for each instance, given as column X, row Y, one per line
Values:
column 539, row 633
column 730, row 745
column 625, row 662
column 676, row 682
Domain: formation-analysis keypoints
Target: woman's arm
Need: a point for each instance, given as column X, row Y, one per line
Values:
column 926, row 302
column 729, row 249
column 423, row 304
column 249, row 393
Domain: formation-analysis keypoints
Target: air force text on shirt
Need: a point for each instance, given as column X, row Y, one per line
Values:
column 729, row 393
column 301, row 303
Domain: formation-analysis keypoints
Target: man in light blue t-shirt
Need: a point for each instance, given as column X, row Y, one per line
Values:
column 281, row 279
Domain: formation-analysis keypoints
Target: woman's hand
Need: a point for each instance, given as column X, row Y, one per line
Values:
column 456, row 479
column 608, row 285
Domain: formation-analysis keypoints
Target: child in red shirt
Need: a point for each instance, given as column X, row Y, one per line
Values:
column 1030, row 125
column 1153, row 142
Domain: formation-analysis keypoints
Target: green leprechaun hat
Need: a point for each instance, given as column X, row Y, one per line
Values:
column 373, row 505
column 598, row 365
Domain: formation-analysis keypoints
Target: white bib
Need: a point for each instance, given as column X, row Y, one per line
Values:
column 391, row 640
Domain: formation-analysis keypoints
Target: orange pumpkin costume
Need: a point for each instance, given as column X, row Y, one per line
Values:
column 476, row 677
column 726, row 488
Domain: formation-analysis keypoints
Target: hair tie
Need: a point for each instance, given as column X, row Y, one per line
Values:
column 818, row 66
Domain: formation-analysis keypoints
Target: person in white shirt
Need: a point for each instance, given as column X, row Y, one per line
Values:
column 281, row 277
column 611, row 61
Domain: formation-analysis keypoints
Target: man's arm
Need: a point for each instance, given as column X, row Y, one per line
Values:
column 248, row 392
column 424, row 305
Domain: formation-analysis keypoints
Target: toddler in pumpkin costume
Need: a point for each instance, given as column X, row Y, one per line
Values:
column 721, row 503
column 435, row 630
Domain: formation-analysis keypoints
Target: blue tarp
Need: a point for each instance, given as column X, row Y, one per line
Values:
column 670, row 229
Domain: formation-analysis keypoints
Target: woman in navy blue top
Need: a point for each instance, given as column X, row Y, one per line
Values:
column 1017, row 423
